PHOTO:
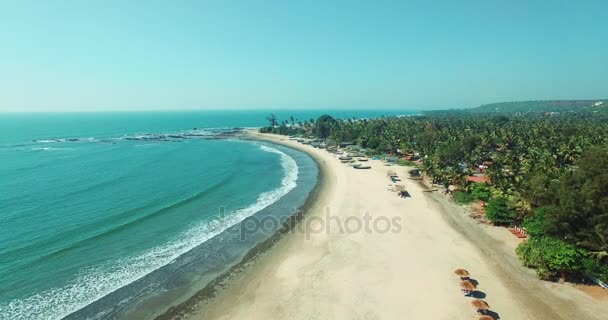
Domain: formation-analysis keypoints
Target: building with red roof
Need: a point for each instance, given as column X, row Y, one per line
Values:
column 478, row 179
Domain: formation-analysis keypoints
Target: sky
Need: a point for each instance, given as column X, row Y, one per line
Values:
column 172, row 55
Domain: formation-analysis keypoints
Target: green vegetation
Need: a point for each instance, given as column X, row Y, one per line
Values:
column 536, row 224
column 406, row 163
column 550, row 257
column 323, row 126
column 547, row 171
column 499, row 213
column 481, row 191
column 462, row 197
column 540, row 106
column 289, row 128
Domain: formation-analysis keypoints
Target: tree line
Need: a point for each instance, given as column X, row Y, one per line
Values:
column 546, row 172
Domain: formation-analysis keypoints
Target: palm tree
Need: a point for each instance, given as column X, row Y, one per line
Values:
column 272, row 119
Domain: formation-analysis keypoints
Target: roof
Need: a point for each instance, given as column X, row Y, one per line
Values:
column 478, row 179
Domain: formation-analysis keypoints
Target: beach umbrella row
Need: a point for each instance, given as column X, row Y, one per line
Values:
column 467, row 286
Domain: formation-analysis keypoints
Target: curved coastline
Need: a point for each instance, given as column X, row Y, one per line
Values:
column 359, row 276
column 256, row 253
column 284, row 277
column 197, row 269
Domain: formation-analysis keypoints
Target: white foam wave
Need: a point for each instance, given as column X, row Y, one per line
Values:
column 147, row 145
column 49, row 149
column 186, row 134
column 95, row 283
column 46, row 141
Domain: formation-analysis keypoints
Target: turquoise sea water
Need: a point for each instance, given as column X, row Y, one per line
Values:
column 95, row 207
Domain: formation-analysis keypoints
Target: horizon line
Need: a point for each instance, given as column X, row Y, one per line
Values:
column 275, row 108
column 236, row 109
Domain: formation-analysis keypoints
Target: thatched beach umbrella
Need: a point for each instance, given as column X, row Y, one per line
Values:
column 399, row 187
column 480, row 305
column 461, row 272
column 467, row 285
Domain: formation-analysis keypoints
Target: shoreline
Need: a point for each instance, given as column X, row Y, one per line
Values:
column 194, row 275
column 269, row 287
column 209, row 292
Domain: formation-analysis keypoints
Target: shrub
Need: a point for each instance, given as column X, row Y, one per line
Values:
column 550, row 257
column 596, row 268
column 499, row 213
column 536, row 224
column 266, row 129
column 481, row 191
column 462, row 197
column 406, row 163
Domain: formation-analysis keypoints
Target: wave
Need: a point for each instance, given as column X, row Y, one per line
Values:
column 115, row 228
column 94, row 283
column 49, row 149
column 13, row 146
column 202, row 133
column 63, row 140
column 149, row 136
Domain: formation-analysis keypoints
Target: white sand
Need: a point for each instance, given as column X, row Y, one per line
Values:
column 394, row 275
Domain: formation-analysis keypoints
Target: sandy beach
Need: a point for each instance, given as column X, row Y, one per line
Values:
column 400, row 267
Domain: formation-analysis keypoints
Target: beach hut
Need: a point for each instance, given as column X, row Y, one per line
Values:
column 462, row 273
column 467, row 287
column 480, row 306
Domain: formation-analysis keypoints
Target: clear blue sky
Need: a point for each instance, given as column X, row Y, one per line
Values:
column 137, row 55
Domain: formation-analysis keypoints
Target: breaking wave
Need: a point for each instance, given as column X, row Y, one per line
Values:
column 94, row 283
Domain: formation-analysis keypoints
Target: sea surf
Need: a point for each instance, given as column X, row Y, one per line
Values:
column 96, row 227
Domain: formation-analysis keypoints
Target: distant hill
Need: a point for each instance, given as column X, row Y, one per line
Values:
column 542, row 106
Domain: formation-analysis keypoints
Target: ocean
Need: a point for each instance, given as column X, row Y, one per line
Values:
column 103, row 215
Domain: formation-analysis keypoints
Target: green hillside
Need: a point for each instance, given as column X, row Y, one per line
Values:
column 542, row 106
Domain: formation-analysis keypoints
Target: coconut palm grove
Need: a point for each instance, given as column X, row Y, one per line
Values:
column 541, row 166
